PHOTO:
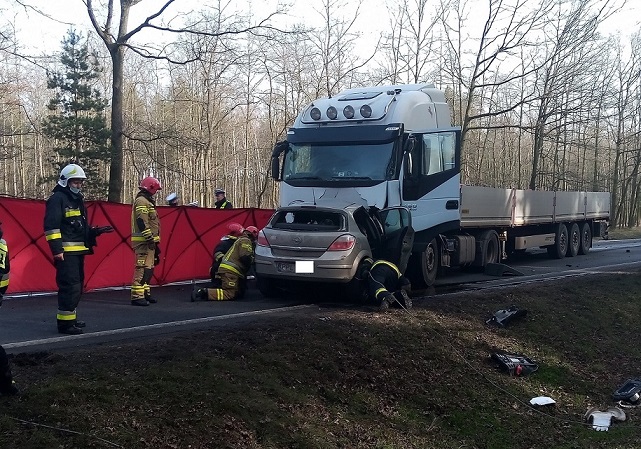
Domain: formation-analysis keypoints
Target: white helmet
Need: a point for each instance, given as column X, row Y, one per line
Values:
column 71, row 171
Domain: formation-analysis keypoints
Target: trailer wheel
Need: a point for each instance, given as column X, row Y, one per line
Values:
column 586, row 238
column 560, row 247
column 574, row 240
column 487, row 248
column 422, row 272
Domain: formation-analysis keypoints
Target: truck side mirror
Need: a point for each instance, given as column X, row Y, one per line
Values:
column 279, row 148
column 276, row 168
column 407, row 155
column 407, row 163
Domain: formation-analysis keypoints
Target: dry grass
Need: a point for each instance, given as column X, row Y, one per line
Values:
column 343, row 378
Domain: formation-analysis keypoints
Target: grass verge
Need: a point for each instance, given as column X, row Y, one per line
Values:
column 339, row 378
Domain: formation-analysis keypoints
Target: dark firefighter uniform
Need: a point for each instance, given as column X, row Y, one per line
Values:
column 7, row 386
column 232, row 272
column 386, row 285
column 145, row 238
column 67, row 232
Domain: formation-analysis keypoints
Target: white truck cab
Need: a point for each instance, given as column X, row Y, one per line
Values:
column 395, row 146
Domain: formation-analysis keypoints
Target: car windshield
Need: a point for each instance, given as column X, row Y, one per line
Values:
column 373, row 162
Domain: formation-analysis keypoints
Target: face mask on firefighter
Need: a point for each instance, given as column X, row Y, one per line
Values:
column 75, row 185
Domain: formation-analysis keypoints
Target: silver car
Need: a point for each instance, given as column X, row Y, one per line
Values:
column 307, row 244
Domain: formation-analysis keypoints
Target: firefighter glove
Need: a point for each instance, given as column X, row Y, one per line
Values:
column 99, row 230
column 156, row 255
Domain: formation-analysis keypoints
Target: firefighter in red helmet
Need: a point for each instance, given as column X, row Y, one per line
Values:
column 232, row 273
column 235, row 230
column 145, row 240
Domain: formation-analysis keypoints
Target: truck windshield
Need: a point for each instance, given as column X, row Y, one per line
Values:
column 370, row 162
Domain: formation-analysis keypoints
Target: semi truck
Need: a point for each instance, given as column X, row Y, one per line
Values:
column 394, row 146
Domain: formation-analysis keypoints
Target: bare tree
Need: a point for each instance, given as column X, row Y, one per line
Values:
column 114, row 32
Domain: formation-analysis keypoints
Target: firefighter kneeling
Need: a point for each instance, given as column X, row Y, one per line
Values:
column 232, row 272
column 387, row 285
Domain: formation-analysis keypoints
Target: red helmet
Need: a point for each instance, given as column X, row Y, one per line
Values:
column 253, row 230
column 235, row 229
column 150, row 184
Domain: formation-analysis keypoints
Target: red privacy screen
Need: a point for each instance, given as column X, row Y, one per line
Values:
column 188, row 236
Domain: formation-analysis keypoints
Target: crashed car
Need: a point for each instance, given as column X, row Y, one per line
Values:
column 305, row 245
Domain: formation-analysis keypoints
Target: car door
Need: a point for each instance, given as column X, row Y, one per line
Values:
column 397, row 236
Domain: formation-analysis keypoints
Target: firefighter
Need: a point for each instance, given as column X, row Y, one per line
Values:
column 232, row 273
column 225, row 243
column 387, row 285
column 221, row 200
column 7, row 385
column 70, row 238
column 145, row 241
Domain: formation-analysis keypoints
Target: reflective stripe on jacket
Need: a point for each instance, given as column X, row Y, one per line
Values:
column 4, row 266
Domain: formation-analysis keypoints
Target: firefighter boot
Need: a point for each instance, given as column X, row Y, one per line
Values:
column 149, row 298
column 139, row 302
column 406, row 301
column 386, row 302
column 199, row 295
column 69, row 330
column 7, row 385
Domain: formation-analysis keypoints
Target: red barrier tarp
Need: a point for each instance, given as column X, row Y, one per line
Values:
column 188, row 236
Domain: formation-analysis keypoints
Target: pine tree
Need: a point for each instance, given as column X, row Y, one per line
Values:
column 78, row 124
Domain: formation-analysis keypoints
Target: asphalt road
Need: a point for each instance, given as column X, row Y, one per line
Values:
column 28, row 323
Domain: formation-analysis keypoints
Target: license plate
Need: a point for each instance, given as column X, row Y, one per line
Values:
column 284, row 267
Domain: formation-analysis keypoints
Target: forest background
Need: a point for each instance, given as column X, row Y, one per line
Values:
column 547, row 92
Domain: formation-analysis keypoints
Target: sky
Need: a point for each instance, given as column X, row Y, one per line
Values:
column 59, row 15
column 43, row 34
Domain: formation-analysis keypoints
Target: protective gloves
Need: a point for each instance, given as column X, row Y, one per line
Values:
column 156, row 255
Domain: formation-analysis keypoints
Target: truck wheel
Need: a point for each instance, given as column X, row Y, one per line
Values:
column 586, row 238
column 423, row 266
column 574, row 240
column 487, row 248
column 267, row 287
column 560, row 247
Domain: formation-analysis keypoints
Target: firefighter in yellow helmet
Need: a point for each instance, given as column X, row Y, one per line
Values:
column 70, row 238
column 232, row 273
column 145, row 240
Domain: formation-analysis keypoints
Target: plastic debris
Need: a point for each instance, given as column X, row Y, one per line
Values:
column 504, row 316
column 601, row 420
column 515, row 364
column 629, row 394
column 542, row 400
